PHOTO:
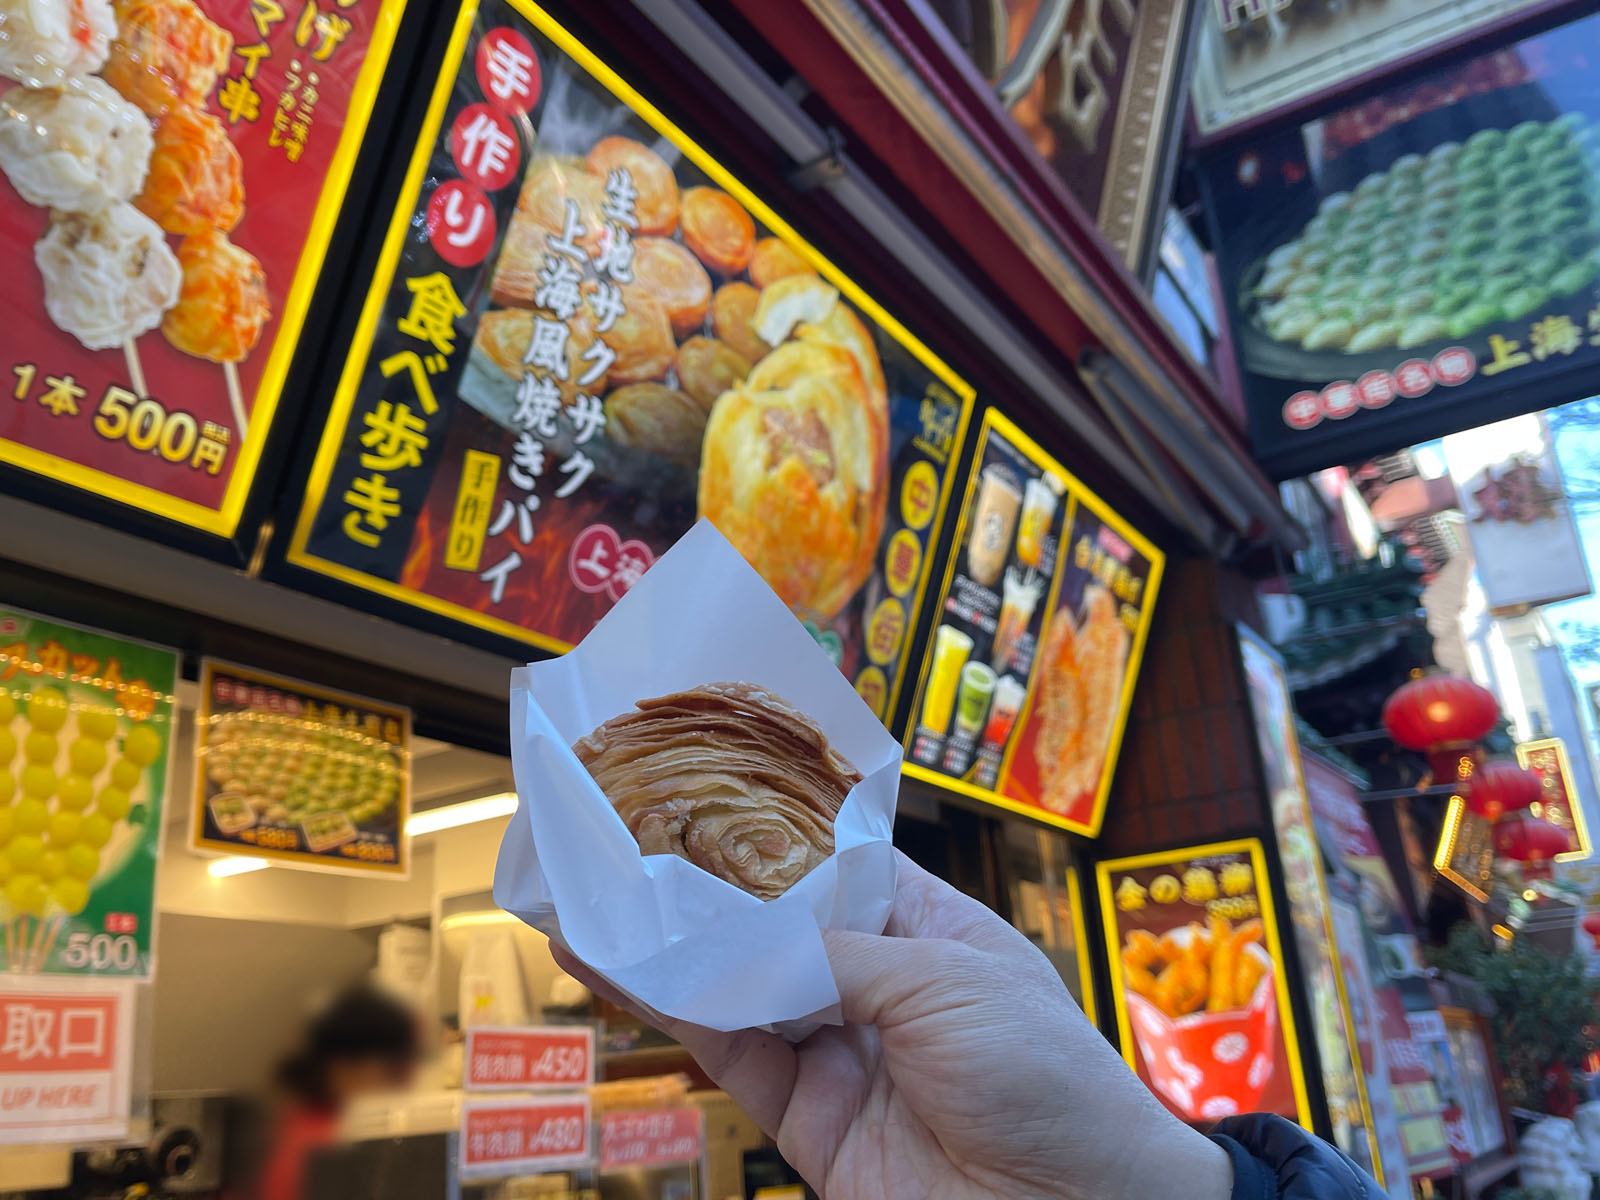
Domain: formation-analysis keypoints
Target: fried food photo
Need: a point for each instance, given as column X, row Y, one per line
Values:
column 772, row 260
column 547, row 186
column 733, row 311
column 166, row 53
column 642, row 341
column 707, row 368
column 658, row 420
column 223, row 306
column 1198, row 968
column 672, row 278
column 718, row 230
column 727, row 776
column 196, row 179
column 504, row 336
column 1081, row 672
column 655, row 187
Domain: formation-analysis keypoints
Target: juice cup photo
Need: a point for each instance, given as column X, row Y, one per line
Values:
column 1038, row 508
column 972, row 702
column 1008, row 695
column 950, row 650
column 994, row 518
column 1019, row 596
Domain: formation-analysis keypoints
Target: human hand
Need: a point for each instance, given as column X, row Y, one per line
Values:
column 964, row 1071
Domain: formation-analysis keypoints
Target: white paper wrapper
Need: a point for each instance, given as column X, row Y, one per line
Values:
column 674, row 937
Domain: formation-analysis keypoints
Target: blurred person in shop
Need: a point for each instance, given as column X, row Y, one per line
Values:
column 965, row 1071
column 364, row 1042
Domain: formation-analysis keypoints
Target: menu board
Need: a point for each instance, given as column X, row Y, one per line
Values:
column 1395, row 277
column 583, row 335
column 1558, row 803
column 1343, row 1083
column 1043, row 616
column 86, row 722
column 1197, row 975
column 300, row 774
column 174, row 171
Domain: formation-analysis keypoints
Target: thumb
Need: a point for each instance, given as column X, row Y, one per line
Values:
column 887, row 981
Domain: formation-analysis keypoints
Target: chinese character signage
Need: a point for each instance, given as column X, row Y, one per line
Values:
column 1256, row 58
column 174, row 174
column 508, row 1060
column 584, row 335
column 1197, row 974
column 1524, row 536
column 86, row 724
column 1041, row 623
column 1558, row 804
column 66, row 1058
column 523, row 1137
column 651, row 1138
column 1342, row 1081
column 1390, row 284
column 300, row 774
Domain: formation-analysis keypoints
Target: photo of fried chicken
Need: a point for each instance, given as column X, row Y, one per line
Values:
column 1082, row 665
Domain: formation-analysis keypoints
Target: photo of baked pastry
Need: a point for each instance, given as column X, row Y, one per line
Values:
column 1083, row 665
column 728, row 776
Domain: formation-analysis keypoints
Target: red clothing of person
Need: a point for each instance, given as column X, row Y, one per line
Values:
column 301, row 1130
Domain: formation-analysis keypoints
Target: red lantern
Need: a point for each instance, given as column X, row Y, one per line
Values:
column 1501, row 787
column 1591, row 926
column 1527, row 839
column 1443, row 716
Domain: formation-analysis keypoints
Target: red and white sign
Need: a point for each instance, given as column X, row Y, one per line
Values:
column 65, row 1050
column 516, row 1060
column 509, row 1137
column 650, row 1138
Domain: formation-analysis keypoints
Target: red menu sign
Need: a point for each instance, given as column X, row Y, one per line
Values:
column 65, row 1061
column 514, row 1137
column 653, row 1138
column 518, row 1059
column 162, row 228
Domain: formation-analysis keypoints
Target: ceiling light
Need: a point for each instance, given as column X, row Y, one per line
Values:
column 221, row 868
column 449, row 816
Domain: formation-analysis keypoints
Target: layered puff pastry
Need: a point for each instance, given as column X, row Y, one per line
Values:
column 504, row 335
column 1080, row 693
column 718, row 230
column 655, row 187
column 728, row 776
column 794, row 468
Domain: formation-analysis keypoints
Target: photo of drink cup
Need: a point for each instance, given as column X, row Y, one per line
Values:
column 1008, row 695
column 972, row 701
column 951, row 648
column 994, row 519
column 1038, row 509
column 1019, row 596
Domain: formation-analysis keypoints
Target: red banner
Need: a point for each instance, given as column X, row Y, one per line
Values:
column 650, row 1138
column 519, row 1059
column 516, row 1137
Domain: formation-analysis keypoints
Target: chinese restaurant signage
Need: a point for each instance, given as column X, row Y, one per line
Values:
column 1342, row 1081
column 520, row 1059
column 1392, row 283
column 66, row 1060
column 1259, row 57
column 1042, row 620
column 163, row 227
column 86, row 725
column 1097, row 90
column 584, row 334
column 522, row 1137
column 1558, row 804
column 1197, row 975
column 651, row 1138
column 299, row 774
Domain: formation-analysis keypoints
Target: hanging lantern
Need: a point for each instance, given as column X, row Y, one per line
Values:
column 1501, row 787
column 1591, row 926
column 1526, row 839
column 1443, row 716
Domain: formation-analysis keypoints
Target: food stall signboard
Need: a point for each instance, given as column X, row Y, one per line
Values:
column 519, row 1059
column 300, row 774
column 520, row 1137
column 1042, row 619
column 651, row 1138
column 1197, row 974
column 66, row 1060
column 584, row 334
column 1558, row 804
column 163, row 226
column 1391, row 283
column 86, row 723
column 1343, row 1083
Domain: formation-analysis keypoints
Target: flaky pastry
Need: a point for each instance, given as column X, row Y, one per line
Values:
column 656, row 190
column 674, row 279
column 728, row 776
column 733, row 308
column 718, row 230
column 1080, row 694
column 772, row 260
column 708, row 367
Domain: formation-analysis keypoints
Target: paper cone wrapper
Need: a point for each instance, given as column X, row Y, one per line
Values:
column 675, row 938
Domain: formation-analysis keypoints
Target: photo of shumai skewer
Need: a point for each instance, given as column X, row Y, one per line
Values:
column 1196, row 967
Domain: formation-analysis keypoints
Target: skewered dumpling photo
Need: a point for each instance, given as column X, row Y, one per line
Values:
column 223, row 304
column 196, row 179
column 46, row 43
column 77, row 148
column 166, row 53
column 1441, row 246
column 108, row 276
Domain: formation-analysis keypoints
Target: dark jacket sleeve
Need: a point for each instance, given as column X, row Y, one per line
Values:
column 1274, row 1159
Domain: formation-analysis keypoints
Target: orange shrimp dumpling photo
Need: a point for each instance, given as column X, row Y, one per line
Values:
column 223, row 305
column 196, row 177
column 166, row 53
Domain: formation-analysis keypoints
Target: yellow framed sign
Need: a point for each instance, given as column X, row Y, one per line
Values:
column 150, row 341
column 583, row 334
column 1558, row 804
column 300, row 774
column 1198, row 980
column 1042, row 621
